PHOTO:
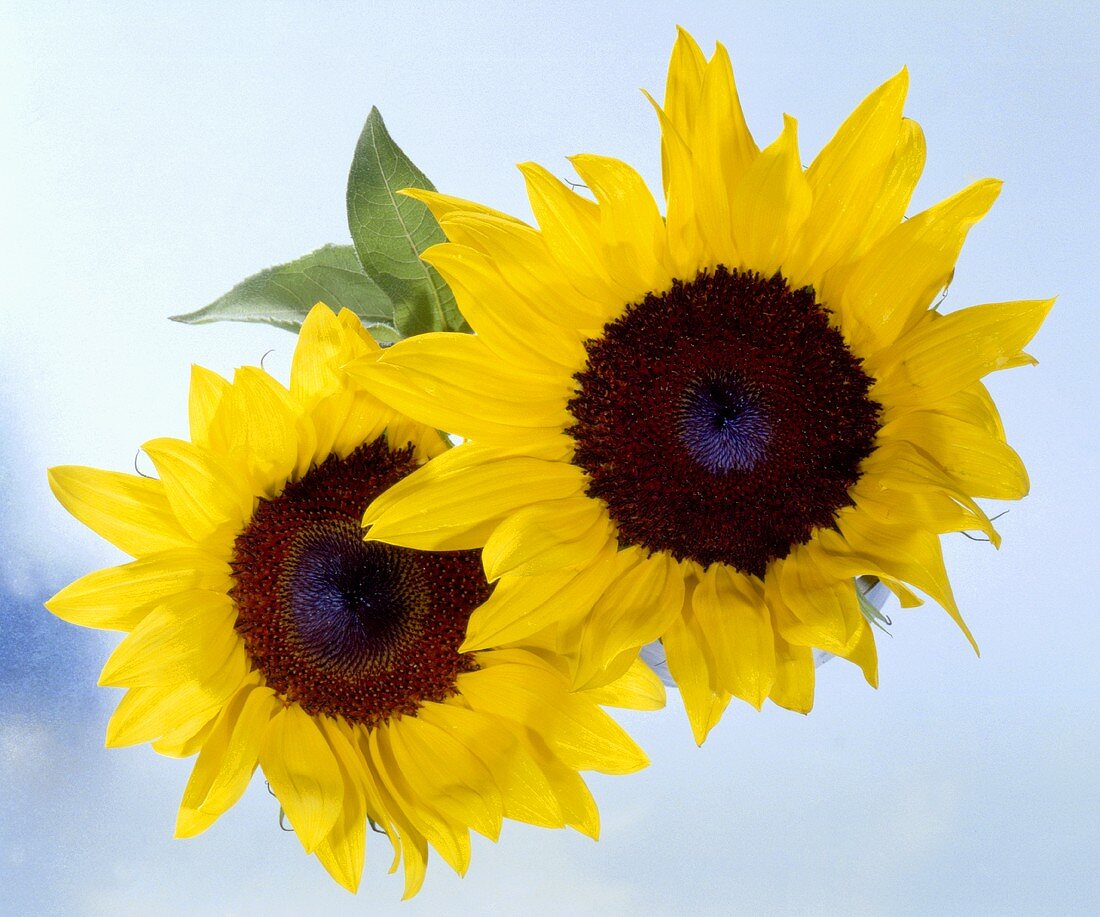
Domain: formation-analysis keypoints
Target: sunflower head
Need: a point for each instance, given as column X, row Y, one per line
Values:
column 262, row 629
column 702, row 425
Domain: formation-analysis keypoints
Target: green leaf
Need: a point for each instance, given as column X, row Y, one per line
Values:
column 390, row 231
column 282, row 295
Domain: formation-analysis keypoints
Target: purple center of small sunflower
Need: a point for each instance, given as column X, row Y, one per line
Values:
column 723, row 424
column 342, row 626
column 723, row 421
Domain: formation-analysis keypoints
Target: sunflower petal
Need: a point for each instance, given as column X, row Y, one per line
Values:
column 130, row 512
column 682, row 89
column 525, row 263
column 300, row 766
column 458, row 499
column 893, row 284
column 525, row 791
column 520, row 607
column 770, row 204
column 205, row 494
column 549, row 536
column 344, row 848
column 722, row 152
column 639, row 688
column 227, row 760
column 456, row 383
column 690, row 664
column 982, row 464
column 794, row 676
column 737, row 627
column 632, row 231
column 570, row 224
column 148, row 713
column 846, row 180
column 117, row 598
column 578, row 732
column 516, row 333
column 452, row 841
column 445, row 773
column 206, row 392
column 951, row 352
column 186, row 638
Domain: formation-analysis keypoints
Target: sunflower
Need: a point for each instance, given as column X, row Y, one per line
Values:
column 263, row 629
column 702, row 426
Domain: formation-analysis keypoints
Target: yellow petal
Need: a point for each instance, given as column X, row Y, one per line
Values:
column 515, row 332
column 578, row 732
column 314, row 369
column 445, row 205
column 456, row 383
column 117, row 598
column 526, row 793
column 690, row 664
column 563, row 534
column 632, row 232
column 770, row 204
column 452, row 841
column 304, row 776
column 458, row 499
column 522, row 606
column 893, row 198
column 951, row 352
column 846, row 180
column 643, row 598
column 864, row 654
column 130, row 512
column 343, row 849
column 824, row 609
column 688, row 249
column 905, row 554
column 638, row 689
column 259, row 425
column 148, row 713
column 737, row 626
column 794, row 676
column 207, row 389
column 183, row 743
column 227, row 761
column 188, row 637
column 982, row 464
column 409, row 844
column 205, row 494
column 525, row 263
column 578, row 808
column 886, row 292
column 570, row 224
column 682, row 89
column 445, row 773
column 722, row 152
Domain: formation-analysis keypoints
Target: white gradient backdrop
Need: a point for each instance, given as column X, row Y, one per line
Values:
column 152, row 155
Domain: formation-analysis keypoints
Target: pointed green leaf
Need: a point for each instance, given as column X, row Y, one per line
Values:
column 282, row 295
column 390, row 231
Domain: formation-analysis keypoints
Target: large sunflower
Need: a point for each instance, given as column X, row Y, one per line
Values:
column 701, row 427
column 262, row 628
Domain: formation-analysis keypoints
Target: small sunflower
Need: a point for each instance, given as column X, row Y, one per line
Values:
column 263, row 629
column 702, row 427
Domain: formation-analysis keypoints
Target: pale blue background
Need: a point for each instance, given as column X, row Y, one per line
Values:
column 154, row 155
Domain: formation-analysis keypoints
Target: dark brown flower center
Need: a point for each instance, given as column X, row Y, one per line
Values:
column 723, row 421
column 343, row 626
